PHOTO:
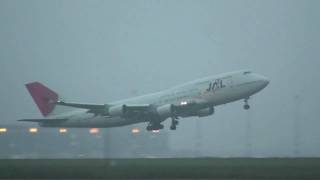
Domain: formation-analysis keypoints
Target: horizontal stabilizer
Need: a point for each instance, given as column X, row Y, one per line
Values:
column 44, row 120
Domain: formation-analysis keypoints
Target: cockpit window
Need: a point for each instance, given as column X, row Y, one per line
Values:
column 246, row 72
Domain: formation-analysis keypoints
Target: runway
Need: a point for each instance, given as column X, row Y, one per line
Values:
column 207, row 168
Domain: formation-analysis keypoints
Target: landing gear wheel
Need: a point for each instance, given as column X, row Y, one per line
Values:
column 173, row 127
column 174, row 123
column 160, row 126
column 246, row 106
column 153, row 127
column 149, row 128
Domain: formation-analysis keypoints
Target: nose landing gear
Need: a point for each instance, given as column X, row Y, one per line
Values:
column 246, row 105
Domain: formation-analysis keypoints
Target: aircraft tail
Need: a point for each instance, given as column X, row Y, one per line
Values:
column 44, row 97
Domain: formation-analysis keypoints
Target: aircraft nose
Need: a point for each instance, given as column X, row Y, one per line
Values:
column 263, row 80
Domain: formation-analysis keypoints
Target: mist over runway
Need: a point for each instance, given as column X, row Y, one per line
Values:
column 101, row 51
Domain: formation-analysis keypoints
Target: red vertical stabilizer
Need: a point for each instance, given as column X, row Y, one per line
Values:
column 44, row 97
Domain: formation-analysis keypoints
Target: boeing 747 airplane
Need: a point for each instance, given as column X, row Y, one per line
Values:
column 195, row 98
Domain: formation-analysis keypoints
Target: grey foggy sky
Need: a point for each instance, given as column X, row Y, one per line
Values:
column 100, row 51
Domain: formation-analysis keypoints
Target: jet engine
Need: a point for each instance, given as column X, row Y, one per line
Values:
column 166, row 110
column 205, row 112
column 118, row 110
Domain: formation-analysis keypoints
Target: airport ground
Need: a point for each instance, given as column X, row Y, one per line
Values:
column 211, row 168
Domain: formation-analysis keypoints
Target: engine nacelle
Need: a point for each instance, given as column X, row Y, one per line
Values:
column 118, row 110
column 166, row 110
column 205, row 112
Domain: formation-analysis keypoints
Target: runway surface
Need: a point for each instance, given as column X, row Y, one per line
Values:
column 207, row 168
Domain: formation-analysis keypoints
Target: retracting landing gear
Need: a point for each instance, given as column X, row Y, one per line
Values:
column 174, row 123
column 246, row 105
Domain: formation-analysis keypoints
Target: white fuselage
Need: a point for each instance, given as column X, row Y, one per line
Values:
column 206, row 92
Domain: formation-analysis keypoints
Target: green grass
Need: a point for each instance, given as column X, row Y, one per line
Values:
column 279, row 168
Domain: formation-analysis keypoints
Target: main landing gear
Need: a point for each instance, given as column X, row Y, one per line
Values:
column 155, row 124
column 174, row 123
column 154, row 127
column 246, row 105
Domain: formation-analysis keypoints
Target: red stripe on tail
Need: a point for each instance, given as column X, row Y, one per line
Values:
column 44, row 97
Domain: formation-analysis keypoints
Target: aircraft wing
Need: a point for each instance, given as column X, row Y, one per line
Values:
column 129, row 110
column 105, row 109
column 43, row 120
column 92, row 108
column 136, row 110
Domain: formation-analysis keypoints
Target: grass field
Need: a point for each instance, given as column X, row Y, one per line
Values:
column 224, row 168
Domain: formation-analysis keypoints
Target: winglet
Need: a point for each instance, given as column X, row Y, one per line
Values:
column 44, row 97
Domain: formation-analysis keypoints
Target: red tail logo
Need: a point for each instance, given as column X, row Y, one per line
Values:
column 43, row 97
